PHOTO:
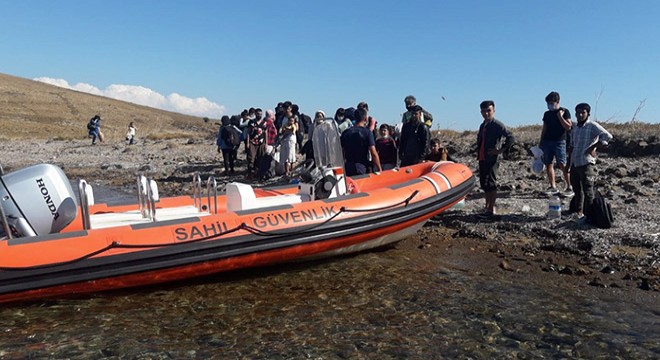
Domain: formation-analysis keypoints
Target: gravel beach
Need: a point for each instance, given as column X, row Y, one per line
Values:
column 523, row 239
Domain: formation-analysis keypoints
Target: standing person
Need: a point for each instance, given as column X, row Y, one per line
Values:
column 256, row 146
column 244, row 124
column 386, row 148
column 358, row 143
column 410, row 102
column 586, row 137
column 255, row 139
column 556, row 124
column 343, row 121
column 437, row 152
column 308, row 149
column 303, row 122
column 271, row 130
column 288, row 142
column 130, row 135
column 94, row 129
column 489, row 138
column 414, row 140
column 371, row 121
column 228, row 142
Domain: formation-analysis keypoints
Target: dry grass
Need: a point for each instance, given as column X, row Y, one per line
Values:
column 34, row 110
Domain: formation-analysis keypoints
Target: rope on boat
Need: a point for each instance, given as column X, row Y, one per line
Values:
column 242, row 226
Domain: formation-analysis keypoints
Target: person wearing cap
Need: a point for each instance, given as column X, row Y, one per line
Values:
column 586, row 137
column 410, row 101
column 415, row 139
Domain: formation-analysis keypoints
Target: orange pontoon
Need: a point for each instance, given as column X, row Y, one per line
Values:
column 84, row 247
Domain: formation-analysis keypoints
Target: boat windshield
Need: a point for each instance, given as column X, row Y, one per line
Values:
column 327, row 144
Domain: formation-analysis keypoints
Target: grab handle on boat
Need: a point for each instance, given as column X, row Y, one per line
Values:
column 197, row 190
column 211, row 182
column 84, row 204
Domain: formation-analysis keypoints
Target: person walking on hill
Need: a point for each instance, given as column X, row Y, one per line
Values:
column 556, row 125
column 489, row 137
column 130, row 135
column 586, row 137
column 94, row 129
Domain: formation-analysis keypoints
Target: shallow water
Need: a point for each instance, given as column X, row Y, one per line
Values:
column 395, row 303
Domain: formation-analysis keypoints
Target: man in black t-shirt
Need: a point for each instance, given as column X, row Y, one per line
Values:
column 556, row 125
column 358, row 143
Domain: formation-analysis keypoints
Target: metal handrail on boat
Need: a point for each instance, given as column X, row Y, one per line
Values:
column 211, row 182
column 84, row 204
column 142, row 195
column 197, row 190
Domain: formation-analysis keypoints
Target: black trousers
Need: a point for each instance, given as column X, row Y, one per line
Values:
column 229, row 158
column 582, row 181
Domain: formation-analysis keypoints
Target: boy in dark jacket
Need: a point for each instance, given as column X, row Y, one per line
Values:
column 489, row 138
column 414, row 141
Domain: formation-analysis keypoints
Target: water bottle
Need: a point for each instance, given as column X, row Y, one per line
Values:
column 554, row 208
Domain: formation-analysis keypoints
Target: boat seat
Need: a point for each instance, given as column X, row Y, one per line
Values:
column 241, row 197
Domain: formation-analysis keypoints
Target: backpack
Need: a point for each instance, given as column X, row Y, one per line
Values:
column 601, row 213
column 230, row 137
column 91, row 126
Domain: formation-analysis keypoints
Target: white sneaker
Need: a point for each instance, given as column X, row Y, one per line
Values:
column 552, row 191
column 568, row 192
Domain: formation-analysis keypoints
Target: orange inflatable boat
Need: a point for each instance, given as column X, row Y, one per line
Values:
column 56, row 242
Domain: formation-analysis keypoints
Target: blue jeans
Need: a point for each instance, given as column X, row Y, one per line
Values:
column 552, row 150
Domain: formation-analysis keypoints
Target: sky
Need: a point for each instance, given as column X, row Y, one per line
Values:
column 214, row 58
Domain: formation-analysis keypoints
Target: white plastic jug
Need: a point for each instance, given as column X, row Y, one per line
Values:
column 554, row 208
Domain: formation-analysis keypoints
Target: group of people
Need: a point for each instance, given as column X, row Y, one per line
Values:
column 571, row 145
column 94, row 131
column 367, row 147
column 370, row 147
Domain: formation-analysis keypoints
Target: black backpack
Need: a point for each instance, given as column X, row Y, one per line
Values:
column 230, row 137
column 91, row 126
column 601, row 212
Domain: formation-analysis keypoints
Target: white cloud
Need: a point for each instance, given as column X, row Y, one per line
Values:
column 200, row 106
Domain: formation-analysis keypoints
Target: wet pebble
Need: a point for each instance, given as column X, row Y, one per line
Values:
column 607, row 270
column 597, row 283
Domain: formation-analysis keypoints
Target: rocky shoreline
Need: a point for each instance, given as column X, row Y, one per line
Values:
column 626, row 256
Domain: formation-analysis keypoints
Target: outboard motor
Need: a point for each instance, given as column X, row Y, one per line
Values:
column 37, row 200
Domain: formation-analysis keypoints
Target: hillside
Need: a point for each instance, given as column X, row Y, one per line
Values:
column 34, row 110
